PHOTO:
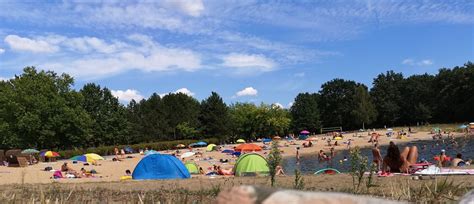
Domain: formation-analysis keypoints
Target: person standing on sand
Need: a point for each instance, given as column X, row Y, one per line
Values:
column 116, row 151
column 377, row 156
column 297, row 155
column 122, row 153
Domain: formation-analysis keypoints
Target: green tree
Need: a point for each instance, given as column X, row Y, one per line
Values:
column 110, row 125
column 243, row 119
column 305, row 113
column 387, row 97
column 454, row 94
column 364, row 112
column 417, row 99
column 180, row 108
column 214, row 117
column 39, row 109
column 345, row 103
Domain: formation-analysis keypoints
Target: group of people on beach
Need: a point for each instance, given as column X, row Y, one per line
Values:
column 71, row 173
column 402, row 162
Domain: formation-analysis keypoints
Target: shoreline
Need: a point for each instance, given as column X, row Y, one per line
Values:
column 110, row 171
column 383, row 142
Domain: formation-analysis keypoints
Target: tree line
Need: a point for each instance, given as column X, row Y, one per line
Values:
column 40, row 109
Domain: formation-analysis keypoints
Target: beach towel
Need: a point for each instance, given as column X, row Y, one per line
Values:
column 57, row 174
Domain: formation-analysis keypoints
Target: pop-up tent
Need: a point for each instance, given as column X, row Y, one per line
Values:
column 240, row 141
column 251, row 164
column 160, row 166
column 192, row 167
column 211, row 147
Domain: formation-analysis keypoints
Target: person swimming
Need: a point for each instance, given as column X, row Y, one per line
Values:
column 458, row 161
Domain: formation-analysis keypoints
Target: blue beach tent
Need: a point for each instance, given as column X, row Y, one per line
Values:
column 160, row 166
column 265, row 140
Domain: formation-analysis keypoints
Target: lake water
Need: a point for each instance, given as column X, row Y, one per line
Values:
column 426, row 150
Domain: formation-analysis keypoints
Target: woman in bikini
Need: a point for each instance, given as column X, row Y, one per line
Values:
column 398, row 162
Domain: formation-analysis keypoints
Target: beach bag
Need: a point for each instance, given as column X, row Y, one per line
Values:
column 48, row 168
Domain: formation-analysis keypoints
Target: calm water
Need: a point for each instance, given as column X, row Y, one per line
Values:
column 426, row 150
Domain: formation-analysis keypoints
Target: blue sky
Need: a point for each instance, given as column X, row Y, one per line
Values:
column 249, row 51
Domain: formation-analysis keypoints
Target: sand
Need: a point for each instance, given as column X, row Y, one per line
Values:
column 109, row 170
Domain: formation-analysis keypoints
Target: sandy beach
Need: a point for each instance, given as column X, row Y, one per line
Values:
column 109, row 170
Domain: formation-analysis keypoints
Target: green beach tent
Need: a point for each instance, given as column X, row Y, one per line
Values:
column 192, row 167
column 251, row 164
column 211, row 147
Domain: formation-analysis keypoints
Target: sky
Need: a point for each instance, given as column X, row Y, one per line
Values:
column 247, row 51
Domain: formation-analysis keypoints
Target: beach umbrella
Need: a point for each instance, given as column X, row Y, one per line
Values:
column 187, row 154
column 94, row 156
column 248, row 148
column 304, row 132
column 49, row 154
column 180, row 146
column 148, row 152
column 239, row 141
column 338, row 138
column 30, row 151
column 82, row 158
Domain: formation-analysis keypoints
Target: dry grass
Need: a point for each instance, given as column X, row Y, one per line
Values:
column 442, row 189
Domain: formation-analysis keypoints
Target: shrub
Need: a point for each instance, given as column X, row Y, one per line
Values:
column 274, row 159
column 109, row 150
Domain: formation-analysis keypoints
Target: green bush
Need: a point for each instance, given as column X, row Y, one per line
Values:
column 109, row 150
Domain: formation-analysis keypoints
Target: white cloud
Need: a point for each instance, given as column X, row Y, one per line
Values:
column 249, row 61
column 31, row 45
column 184, row 91
column 290, row 104
column 4, row 79
column 279, row 105
column 426, row 62
column 127, row 95
column 300, row 74
column 249, row 91
column 412, row 62
column 181, row 90
column 2, row 51
column 91, row 57
column 189, row 7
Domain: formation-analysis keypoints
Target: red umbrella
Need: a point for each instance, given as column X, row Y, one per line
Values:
column 248, row 148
